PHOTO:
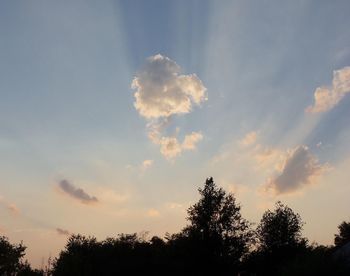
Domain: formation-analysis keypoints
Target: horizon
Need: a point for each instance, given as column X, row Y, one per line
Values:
column 114, row 113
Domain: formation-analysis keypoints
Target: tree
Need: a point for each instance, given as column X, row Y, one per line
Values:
column 217, row 230
column 280, row 229
column 344, row 234
column 280, row 243
column 10, row 256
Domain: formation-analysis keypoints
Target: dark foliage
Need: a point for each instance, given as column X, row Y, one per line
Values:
column 280, row 229
column 279, row 241
column 344, row 234
column 113, row 256
column 11, row 259
column 217, row 236
column 10, row 256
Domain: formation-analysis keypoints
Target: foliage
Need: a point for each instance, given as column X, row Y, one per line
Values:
column 344, row 234
column 128, row 253
column 218, row 234
column 280, row 228
column 10, row 256
column 11, row 259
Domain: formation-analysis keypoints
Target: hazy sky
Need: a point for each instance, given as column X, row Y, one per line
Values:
column 113, row 113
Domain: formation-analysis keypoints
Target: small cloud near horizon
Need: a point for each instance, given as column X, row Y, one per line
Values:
column 62, row 232
column 11, row 207
column 76, row 193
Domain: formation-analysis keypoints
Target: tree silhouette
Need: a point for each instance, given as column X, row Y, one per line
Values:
column 220, row 236
column 280, row 228
column 280, row 242
column 10, row 256
column 11, row 262
column 344, row 234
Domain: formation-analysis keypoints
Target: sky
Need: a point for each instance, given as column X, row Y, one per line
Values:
column 113, row 114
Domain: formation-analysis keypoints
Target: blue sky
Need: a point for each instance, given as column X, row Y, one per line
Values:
column 67, row 112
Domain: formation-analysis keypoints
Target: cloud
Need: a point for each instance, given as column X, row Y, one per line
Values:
column 174, row 205
column 62, row 232
column 249, row 139
column 161, row 92
column 273, row 169
column 140, row 168
column 76, row 193
column 108, row 195
column 170, row 147
column 146, row 164
column 191, row 140
column 299, row 169
column 328, row 97
column 152, row 213
column 11, row 207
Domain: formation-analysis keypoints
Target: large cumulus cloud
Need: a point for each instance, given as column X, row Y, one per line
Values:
column 161, row 91
column 300, row 168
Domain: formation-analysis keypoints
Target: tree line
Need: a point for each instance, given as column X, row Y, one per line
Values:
column 216, row 241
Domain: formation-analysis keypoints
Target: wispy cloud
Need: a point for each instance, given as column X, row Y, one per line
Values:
column 76, row 193
column 328, row 97
column 62, row 232
column 162, row 92
column 10, row 207
column 152, row 213
column 146, row 164
column 142, row 167
column 249, row 139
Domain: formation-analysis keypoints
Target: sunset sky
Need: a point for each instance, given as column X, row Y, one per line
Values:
column 113, row 113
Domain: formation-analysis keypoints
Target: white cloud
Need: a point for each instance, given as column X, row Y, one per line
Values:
column 11, row 207
column 146, row 164
column 170, row 147
column 249, row 139
column 326, row 98
column 162, row 92
column 191, row 140
column 152, row 213
column 299, row 169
